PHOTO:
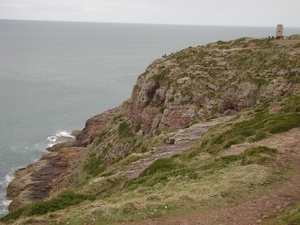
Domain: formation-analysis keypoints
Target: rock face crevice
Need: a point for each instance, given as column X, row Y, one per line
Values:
column 151, row 92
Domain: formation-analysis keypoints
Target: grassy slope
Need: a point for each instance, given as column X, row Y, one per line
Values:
column 198, row 180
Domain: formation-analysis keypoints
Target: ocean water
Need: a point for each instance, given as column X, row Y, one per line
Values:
column 56, row 75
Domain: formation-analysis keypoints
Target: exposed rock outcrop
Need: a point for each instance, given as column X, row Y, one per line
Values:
column 94, row 126
column 177, row 143
column 53, row 172
column 213, row 80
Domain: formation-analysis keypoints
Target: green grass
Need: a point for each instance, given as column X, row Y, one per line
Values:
column 62, row 201
column 181, row 174
column 254, row 129
column 292, row 104
column 160, row 165
column 292, row 216
column 260, row 155
column 162, row 170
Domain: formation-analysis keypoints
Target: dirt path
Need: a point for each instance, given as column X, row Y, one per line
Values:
column 268, row 205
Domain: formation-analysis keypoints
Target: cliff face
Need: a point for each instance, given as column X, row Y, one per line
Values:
column 189, row 86
column 212, row 80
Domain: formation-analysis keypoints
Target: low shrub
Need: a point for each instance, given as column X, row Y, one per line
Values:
column 293, row 105
column 100, row 138
column 220, row 163
column 160, row 165
column 260, row 155
column 284, row 122
column 162, row 170
column 62, row 201
column 94, row 165
column 124, row 129
column 162, row 74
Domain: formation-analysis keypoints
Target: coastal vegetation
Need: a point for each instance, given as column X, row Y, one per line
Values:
column 200, row 179
column 254, row 81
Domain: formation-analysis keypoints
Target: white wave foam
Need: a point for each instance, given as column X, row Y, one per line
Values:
column 64, row 134
column 6, row 203
column 6, row 180
column 4, row 207
column 59, row 137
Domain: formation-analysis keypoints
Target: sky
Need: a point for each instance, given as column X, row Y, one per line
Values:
column 188, row 12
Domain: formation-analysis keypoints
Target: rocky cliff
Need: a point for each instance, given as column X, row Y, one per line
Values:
column 210, row 81
column 181, row 89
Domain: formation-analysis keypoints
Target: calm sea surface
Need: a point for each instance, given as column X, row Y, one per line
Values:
column 56, row 75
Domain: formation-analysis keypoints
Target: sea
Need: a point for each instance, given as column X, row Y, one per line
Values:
column 56, row 75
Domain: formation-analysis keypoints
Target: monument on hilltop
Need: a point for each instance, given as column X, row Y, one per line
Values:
column 279, row 31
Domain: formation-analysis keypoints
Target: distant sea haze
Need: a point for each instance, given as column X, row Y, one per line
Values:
column 56, row 75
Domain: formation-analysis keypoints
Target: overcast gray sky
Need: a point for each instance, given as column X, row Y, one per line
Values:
column 194, row 12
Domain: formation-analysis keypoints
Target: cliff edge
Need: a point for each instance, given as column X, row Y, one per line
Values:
column 192, row 86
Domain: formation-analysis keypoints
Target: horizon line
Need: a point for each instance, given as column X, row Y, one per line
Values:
column 163, row 24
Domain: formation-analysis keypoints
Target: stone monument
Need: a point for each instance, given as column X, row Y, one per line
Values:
column 279, row 31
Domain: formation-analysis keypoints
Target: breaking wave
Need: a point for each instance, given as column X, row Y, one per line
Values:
column 59, row 137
